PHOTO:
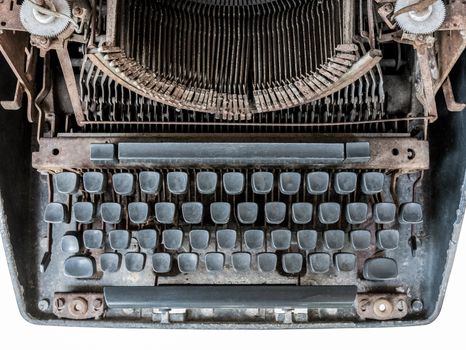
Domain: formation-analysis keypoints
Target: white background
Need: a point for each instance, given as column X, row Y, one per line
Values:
column 447, row 330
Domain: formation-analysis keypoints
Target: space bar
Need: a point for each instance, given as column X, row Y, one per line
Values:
column 198, row 297
column 236, row 153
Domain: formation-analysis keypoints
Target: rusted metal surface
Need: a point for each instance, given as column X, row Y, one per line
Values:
column 112, row 13
column 78, row 306
column 9, row 16
column 57, row 154
column 71, row 84
column 386, row 13
column 428, row 92
column 348, row 24
column 22, row 61
column 456, row 16
column 382, row 307
column 451, row 45
column 450, row 101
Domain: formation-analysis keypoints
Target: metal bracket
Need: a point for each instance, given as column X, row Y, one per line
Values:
column 381, row 307
column 386, row 13
column 427, row 61
column 57, row 154
column 289, row 316
column 168, row 315
column 450, row 101
column 9, row 16
column 78, row 306
column 22, row 61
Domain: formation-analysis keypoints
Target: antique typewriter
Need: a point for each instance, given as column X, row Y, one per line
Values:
column 231, row 163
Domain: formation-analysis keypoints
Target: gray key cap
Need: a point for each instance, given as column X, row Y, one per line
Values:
column 356, row 213
column 345, row 183
column 147, row 239
column 380, row 269
column 254, row 239
column 292, row 262
column 192, row 212
column 83, row 212
column 334, row 239
column 177, row 182
column 319, row 262
column 411, row 213
column 123, row 184
column 110, row 262
column 199, row 239
column 241, row 261
column 329, row 213
column 119, row 239
column 388, row 239
column 290, row 183
column 111, row 213
column 384, row 213
column 66, row 183
column 172, row 239
column 102, row 152
column 93, row 239
column 161, row 262
column 267, row 262
column 307, row 239
column 55, row 213
column 247, row 212
column 358, row 152
column 165, row 212
column 94, row 182
column 226, row 239
column 79, row 267
column 187, row 262
column 262, row 182
column 138, row 212
column 149, row 182
column 281, row 239
column 69, row 244
column 345, row 262
column 220, row 212
column 301, row 213
column 206, row 182
column 134, row 262
column 317, row 182
column 372, row 183
column 275, row 212
column 233, row 183
column 214, row 262
column 360, row 239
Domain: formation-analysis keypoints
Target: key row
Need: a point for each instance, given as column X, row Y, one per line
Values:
column 246, row 213
column 262, row 183
column 291, row 263
column 228, row 239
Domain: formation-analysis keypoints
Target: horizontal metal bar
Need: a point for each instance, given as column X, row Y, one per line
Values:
column 239, row 296
column 252, row 123
column 232, row 153
column 69, row 153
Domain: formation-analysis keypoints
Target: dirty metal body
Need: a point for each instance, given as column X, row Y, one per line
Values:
column 185, row 90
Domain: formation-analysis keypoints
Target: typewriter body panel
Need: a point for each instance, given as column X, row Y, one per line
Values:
column 231, row 164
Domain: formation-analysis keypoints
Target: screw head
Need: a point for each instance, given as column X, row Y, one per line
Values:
column 417, row 305
column 97, row 304
column 77, row 11
column 60, row 304
column 43, row 304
